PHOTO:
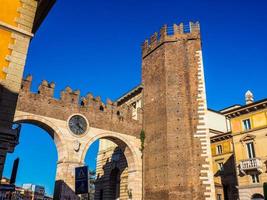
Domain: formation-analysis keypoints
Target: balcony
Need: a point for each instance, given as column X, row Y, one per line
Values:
column 250, row 165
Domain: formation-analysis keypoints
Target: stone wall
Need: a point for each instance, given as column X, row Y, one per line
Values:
column 106, row 122
column 72, row 150
column 105, row 116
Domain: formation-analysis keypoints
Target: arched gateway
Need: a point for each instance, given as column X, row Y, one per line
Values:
column 177, row 155
column 56, row 117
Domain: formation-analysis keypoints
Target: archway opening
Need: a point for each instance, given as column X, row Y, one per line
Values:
column 107, row 158
column 38, row 158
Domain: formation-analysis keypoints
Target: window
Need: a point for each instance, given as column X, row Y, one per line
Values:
column 246, row 124
column 101, row 108
column 255, row 178
column 219, row 196
column 250, row 149
column 219, row 149
column 220, row 165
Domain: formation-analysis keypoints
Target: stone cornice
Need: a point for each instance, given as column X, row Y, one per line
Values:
column 262, row 104
column 15, row 29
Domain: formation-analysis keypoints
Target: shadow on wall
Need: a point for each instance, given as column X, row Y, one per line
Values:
column 228, row 179
column 63, row 191
column 113, row 183
column 8, row 102
column 9, row 134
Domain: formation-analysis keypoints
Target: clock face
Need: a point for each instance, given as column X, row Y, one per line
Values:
column 78, row 124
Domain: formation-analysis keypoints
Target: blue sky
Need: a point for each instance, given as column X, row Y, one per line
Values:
column 94, row 46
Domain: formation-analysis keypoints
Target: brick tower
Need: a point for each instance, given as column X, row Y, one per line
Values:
column 177, row 159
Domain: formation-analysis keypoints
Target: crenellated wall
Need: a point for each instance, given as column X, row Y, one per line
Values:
column 169, row 34
column 107, row 115
column 105, row 121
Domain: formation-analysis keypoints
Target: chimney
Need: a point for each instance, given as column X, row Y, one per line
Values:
column 249, row 97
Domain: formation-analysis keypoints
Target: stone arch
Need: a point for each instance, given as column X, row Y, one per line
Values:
column 49, row 127
column 132, row 153
column 121, row 141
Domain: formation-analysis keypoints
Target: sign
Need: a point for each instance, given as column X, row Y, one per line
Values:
column 81, row 180
column 7, row 187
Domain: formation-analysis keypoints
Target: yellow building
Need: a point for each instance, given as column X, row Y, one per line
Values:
column 249, row 133
column 19, row 20
column 223, row 166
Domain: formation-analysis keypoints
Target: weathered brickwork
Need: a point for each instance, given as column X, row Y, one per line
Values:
column 106, row 121
column 105, row 116
column 176, row 156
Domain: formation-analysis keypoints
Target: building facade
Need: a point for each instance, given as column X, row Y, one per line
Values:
column 19, row 20
column 249, row 128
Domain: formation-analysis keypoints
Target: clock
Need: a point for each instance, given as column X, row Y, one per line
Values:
column 78, row 124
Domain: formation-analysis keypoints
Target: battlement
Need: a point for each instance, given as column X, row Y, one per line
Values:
column 171, row 33
column 70, row 101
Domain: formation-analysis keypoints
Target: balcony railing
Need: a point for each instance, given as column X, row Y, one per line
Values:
column 251, row 164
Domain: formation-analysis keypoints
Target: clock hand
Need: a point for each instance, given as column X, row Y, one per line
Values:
column 79, row 126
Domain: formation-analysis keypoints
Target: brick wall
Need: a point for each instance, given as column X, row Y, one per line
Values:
column 176, row 157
